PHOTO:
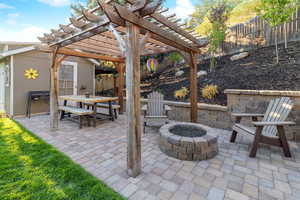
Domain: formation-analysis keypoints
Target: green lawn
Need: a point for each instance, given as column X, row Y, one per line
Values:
column 32, row 169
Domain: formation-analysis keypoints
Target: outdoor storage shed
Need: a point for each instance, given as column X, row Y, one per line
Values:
column 24, row 68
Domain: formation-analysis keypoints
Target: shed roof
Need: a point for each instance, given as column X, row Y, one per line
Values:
column 37, row 47
column 17, row 51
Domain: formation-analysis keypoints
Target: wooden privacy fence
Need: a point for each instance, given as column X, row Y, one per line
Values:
column 257, row 33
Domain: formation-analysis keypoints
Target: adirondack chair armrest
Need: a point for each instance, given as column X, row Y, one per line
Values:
column 279, row 123
column 247, row 114
column 144, row 109
column 167, row 109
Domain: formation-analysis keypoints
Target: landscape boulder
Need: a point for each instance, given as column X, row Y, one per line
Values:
column 179, row 73
column 239, row 56
column 201, row 73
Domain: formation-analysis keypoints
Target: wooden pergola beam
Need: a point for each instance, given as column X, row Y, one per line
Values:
column 70, row 52
column 90, row 47
column 158, row 33
column 160, row 18
column 91, row 25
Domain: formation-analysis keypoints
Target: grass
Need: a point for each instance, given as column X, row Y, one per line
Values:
column 31, row 169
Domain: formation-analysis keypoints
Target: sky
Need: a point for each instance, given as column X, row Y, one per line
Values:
column 24, row 20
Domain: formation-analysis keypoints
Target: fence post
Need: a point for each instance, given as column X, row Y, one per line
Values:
column 267, row 34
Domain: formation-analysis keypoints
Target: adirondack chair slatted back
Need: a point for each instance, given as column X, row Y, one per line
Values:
column 155, row 104
column 278, row 110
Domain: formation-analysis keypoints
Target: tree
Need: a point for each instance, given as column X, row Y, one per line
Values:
column 175, row 57
column 199, row 19
column 218, row 15
column 276, row 12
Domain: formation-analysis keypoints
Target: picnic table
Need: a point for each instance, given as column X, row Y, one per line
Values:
column 92, row 100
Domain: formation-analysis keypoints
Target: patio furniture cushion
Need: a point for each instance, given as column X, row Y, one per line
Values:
column 76, row 110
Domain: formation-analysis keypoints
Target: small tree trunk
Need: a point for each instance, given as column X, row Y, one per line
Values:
column 285, row 36
column 276, row 44
column 212, row 62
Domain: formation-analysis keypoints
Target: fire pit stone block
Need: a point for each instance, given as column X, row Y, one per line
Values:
column 188, row 141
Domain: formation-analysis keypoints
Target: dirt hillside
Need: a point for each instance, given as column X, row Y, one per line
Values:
column 257, row 71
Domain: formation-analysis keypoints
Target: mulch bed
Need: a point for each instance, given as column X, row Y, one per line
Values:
column 258, row 71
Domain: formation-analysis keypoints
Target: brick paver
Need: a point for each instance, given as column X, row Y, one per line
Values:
column 229, row 175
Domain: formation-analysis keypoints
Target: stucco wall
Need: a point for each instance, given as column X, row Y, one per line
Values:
column 41, row 62
column 256, row 101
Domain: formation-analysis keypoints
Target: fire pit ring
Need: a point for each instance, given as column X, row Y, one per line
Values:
column 188, row 141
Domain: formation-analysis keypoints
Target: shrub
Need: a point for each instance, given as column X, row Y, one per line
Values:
column 210, row 91
column 181, row 93
column 175, row 57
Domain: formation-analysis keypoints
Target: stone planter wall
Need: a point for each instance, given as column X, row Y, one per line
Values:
column 249, row 101
column 256, row 101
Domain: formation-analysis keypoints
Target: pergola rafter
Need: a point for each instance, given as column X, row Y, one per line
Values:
column 122, row 34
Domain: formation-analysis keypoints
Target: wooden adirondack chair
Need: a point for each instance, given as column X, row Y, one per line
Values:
column 155, row 109
column 268, row 131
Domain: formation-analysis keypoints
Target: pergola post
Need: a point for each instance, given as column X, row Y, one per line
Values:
column 120, row 69
column 115, row 84
column 54, row 89
column 193, row 87
column 191, row 59
column 133, row 100
column 53, row 92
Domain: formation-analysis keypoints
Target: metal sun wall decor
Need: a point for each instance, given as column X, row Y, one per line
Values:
column 31, row 74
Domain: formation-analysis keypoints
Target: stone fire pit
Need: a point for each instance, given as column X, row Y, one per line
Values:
column 188, row 141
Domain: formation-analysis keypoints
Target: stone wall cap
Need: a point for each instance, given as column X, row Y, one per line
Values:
column 263, row 92
column 203, row 106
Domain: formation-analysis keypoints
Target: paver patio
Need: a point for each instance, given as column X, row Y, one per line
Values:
column 230, row 175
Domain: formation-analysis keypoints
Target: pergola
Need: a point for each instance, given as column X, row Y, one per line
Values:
column 121, row 34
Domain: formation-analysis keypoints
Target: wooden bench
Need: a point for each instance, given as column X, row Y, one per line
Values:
column 115, row 107
column 81, row 112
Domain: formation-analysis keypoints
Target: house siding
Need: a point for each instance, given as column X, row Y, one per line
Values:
column 41, row 62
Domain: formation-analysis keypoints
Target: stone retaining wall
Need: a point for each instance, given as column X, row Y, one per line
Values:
column 256, row 101
column 211, row 115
